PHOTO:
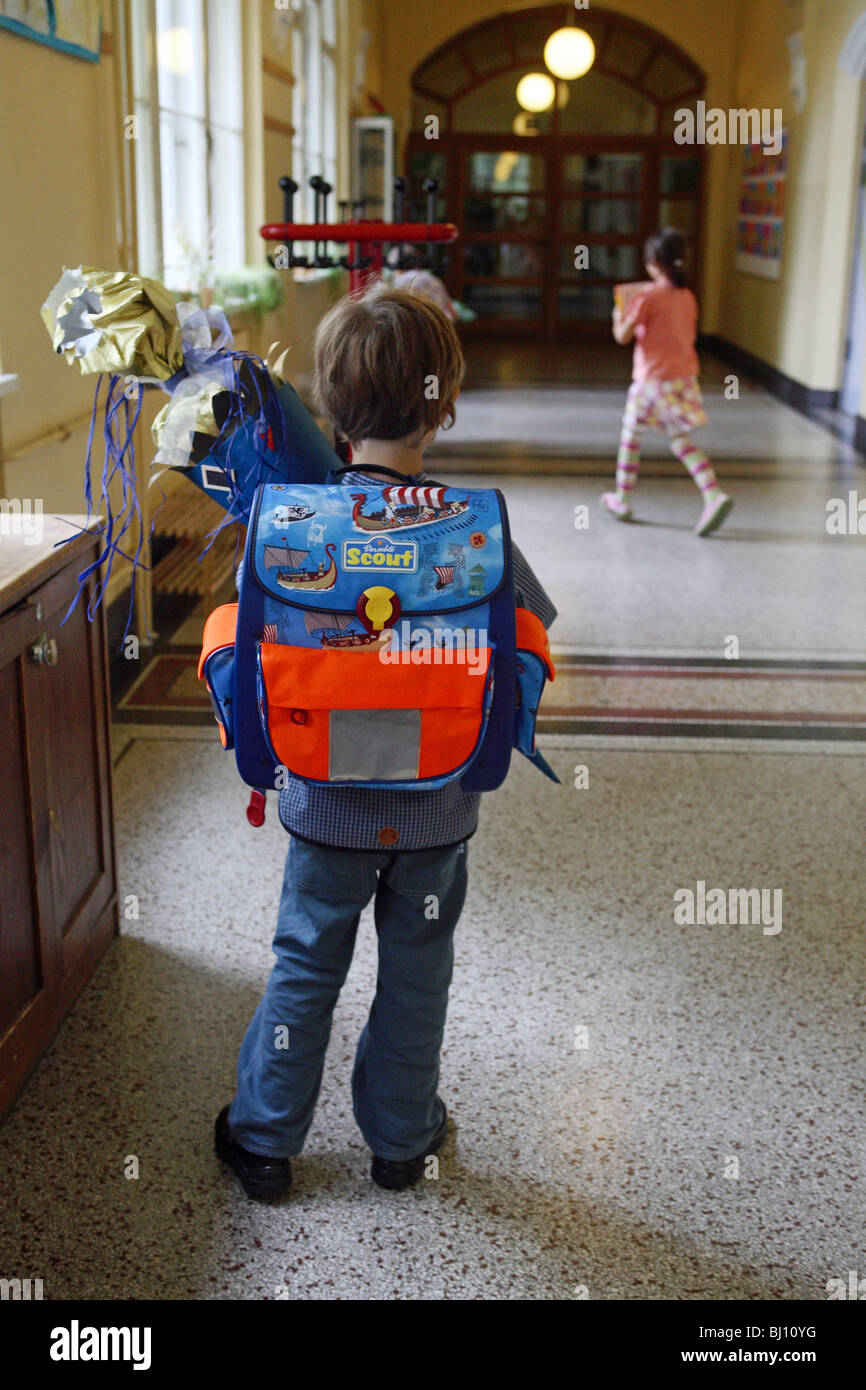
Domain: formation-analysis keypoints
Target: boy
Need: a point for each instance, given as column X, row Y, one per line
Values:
column 374, row 360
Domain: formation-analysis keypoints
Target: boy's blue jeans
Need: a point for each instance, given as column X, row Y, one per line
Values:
column 418, row 899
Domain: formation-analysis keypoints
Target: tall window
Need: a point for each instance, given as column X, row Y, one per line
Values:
column 314, row 105
column 189, row 153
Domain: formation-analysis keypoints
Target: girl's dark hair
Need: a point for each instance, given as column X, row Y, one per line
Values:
column 668, row 249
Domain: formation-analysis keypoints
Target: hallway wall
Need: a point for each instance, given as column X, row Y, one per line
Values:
column 777, row 320
column 59, row 148
column 62, row 152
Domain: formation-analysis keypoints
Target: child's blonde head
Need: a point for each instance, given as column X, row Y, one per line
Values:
column 387, row 366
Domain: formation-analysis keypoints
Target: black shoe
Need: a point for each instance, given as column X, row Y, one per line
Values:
column 260, row 1176
column 397, row 1173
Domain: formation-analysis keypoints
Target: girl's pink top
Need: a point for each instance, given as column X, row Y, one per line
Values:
column 665, row 322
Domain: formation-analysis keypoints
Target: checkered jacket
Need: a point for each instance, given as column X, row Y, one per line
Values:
column 373, row 818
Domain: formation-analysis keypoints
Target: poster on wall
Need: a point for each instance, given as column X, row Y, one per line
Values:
column 73, row 26
column 78, row 26
column 32, row 18
column 761, row 213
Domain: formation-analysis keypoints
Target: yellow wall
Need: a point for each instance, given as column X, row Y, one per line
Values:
column 62, row 165
column 58, row 152
column 798, row 322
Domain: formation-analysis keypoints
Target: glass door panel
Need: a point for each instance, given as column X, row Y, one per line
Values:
column 527, row 211
column 602, row 173
column 602, row 226
column 505, row 256
column 680, row 174
column 506, row 260
column 613, row 263
column 521, row 304
column 505, row 212
column 594, row 216
column 679, row 194
column 505, row 171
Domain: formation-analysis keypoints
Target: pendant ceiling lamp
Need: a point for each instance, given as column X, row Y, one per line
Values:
column 569, row 53
column 536, row 91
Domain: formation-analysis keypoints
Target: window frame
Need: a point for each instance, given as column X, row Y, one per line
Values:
column 147, row 171
column 324, row 113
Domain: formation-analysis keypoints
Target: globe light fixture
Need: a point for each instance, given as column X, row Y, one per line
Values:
column 569, row 53
column 536, row 92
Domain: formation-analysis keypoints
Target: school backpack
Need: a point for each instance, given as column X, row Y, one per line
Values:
column 375, row 640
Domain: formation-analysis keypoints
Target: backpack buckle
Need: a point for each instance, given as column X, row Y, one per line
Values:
column 377, row 608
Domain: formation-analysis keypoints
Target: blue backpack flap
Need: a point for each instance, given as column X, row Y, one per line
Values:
column 531, row 680
column 376, row 635
column 280, row 443
column 219, row 678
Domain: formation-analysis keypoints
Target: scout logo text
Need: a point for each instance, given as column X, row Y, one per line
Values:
column 380, row 554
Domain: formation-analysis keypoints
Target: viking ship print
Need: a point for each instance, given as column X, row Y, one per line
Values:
column 335, row 630
column 287, row 512
column 406, row 506
column 444, row 576
column 288, row 562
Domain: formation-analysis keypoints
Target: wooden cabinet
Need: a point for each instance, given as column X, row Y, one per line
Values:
column 58, row 897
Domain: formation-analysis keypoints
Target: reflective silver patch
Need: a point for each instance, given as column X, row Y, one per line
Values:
column 374, row 745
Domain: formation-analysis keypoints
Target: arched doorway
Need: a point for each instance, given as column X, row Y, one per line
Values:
column 600, row 170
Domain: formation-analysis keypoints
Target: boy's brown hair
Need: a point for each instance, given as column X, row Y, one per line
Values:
column 374, row 361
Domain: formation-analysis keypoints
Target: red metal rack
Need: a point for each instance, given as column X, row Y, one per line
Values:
column 366, row 238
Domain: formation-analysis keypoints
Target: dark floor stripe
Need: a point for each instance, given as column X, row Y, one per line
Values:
column 653, row 665
column 676, row 728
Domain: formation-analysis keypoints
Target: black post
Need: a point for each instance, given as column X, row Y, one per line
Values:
column 289, row 188
column 399, row 199
column 431, row 188
column 321, row 189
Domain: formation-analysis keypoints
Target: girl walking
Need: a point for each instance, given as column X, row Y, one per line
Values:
column 662, row 320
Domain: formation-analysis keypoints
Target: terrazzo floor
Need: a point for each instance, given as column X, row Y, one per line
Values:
column 772, row 576
column 641, row 1109
column 599, row 1166
column 576, row 422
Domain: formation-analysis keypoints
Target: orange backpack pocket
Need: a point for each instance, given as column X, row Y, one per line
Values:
column 349, row 716
column 216, row 666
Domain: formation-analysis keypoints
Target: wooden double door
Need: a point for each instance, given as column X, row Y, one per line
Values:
column 549, row 224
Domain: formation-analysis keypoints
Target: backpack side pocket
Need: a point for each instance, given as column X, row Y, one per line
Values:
column 216, row 667
column 534, row 668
